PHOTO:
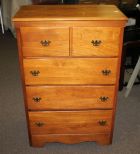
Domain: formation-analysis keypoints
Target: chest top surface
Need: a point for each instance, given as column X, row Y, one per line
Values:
column 68, row 12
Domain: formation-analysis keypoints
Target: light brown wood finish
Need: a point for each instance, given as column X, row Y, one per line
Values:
column 68, row 12
column 69, row 97
column 70, row 122
column 65, row 76
column 20, row 60
column 117, row 83
column 80, row 23
column 40, row 140
column 70, row 71
column 84, row 38
column 33, row 37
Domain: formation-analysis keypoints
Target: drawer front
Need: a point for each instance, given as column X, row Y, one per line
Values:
column 96, row 41
column 70, row 122
column 69, row 97
column 70, row 71
column 40, row 41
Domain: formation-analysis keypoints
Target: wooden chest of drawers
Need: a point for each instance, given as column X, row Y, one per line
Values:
column 69, row 59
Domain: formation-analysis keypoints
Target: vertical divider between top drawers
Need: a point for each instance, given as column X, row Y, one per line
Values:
column 70, row 40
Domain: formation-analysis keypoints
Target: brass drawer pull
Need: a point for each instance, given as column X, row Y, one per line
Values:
column 102, row 122
column 37, row 99
column 106, row 72
column 96, row 42
column 45, row 43
column 104, row 98
column 39, row 124
column 35, row 72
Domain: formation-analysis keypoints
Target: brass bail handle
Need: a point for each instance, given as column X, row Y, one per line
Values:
column 35, row 72
column 37, row 99
column 39, row 124
column 102, row 122
column 96, row 42
column 104, row 98
column 45, row 43
column 106, row 72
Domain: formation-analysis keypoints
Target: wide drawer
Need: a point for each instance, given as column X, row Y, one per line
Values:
column 70, row 71
column 70, row 122
column 96, row 41
column 43, row 41
column 69, row 97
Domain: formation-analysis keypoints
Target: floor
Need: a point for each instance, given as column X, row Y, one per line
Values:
column 13, row 130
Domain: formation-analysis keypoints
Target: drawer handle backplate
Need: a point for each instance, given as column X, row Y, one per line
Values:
column 45, row 43
column 104, row 98
column 39, row 124
column 106, row 72
column 96, row 42
column 37, row 99
column 35, row 72
column 102, row 122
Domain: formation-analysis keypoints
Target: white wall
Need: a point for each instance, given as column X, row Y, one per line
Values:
column 9, row 8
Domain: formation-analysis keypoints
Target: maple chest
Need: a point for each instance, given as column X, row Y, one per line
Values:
column 70, row 61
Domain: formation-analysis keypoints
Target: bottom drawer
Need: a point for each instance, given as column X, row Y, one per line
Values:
column 70, row 122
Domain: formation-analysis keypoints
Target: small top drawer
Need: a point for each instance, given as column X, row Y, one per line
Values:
column 96, row 41
column 44, row 41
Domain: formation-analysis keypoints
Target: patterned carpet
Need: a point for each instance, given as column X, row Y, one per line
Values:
column 13, row 131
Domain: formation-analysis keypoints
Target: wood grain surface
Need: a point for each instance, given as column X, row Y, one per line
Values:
column 70, row 84
column 69, row 12
column 70, row 122
column 32, row 37
column 70, row 71
column 82, row 41
column 41, row 140
column 69, row 97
